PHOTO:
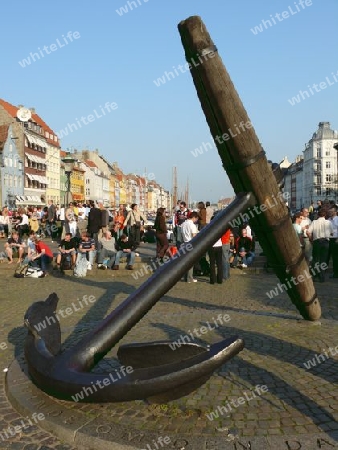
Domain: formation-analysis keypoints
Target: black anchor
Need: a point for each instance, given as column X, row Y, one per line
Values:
column 156, row 372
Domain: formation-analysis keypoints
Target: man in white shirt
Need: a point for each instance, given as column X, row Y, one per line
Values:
column 188, row 231
column 320, row 232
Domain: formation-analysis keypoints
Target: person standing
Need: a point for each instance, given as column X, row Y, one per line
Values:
column 180, row 217
column 202, row 213
column 225, row 239
column 209, row 212
column 134, row 218
column 161, row 234
column 51, row 220
column 104, row 218
column 305, row 224
column 70, row 220
column 320, row 232
column 94, row 222
column 188, row 231
column 333, row 247
column 215, row 257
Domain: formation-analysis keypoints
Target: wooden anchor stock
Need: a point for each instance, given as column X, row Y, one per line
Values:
column 246, row 165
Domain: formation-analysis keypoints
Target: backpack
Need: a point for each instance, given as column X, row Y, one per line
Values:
column 27, row 271
column 80, row 269
column 66, row 262
column 33, row 272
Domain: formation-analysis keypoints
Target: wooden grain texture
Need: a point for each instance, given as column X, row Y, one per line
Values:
column 226, row 114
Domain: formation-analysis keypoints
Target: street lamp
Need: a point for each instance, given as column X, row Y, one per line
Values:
column 69, row 164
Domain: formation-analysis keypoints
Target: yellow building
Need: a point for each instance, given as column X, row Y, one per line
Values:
column 77, row 184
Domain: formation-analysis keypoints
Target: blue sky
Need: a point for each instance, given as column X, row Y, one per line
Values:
column 117, row 56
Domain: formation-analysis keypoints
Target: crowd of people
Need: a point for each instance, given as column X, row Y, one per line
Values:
column 234, row 249
column 317, row 229
column 89, row 232
column 92, row 233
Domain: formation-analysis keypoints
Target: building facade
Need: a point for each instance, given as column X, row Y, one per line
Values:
column 11, row 169
column 314, row 176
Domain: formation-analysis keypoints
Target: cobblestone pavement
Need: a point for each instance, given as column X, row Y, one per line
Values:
column 298, row 401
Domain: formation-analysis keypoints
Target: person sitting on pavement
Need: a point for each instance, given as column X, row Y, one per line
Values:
column 149, row 235
column 87, row 249
column 244, row 250
column 44, row 254
column 67, row 246
column 15, row 244
column 106, row 251
column 125, row 247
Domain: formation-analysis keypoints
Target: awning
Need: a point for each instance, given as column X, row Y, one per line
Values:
column 36, row 140
column 28, row 200
column 35, row 158
column 38, row 178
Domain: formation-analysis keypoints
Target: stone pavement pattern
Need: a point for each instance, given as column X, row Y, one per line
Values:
column 298, row 411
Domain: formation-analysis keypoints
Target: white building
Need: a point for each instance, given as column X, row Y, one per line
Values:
column 314, row 176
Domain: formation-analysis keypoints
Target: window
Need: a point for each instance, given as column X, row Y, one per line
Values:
column 328, row 178
column 327, row 153
column 319, row 152
column 328, row 192
column 319, row 192
column 328, row 164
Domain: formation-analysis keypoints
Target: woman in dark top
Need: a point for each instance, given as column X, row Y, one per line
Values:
column 202, row 215
column 161, row 234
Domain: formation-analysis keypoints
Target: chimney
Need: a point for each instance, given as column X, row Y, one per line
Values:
column 32, row 110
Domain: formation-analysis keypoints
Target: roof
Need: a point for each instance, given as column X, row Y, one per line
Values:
column 90, row 163
column 12, row 110
column 3, row 135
